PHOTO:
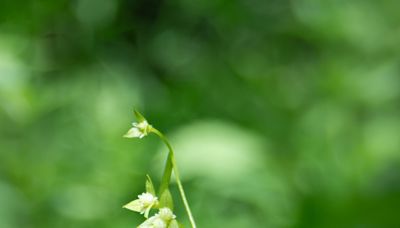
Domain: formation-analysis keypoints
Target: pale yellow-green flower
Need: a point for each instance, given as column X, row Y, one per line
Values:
column 165, row 218
column 139, row 130
column 153, row 222
column 166, row 214
column 143, row 204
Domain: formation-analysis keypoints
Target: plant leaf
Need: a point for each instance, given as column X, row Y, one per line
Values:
column 167, row 174
column 166, row 200
column 150, row 186
column 139, row 117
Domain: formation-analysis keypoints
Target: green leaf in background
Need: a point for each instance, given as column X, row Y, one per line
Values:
column 166, row 200
column 150, row 186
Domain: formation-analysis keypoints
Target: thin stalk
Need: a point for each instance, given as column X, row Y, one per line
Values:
column 166, row 176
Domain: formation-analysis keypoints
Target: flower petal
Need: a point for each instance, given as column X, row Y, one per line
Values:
column 153, row 222
column 147, row 211
column 135, row 205
column 133, row 133
column 173, row 224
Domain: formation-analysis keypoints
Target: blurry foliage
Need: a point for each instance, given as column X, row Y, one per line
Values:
column 295, row 104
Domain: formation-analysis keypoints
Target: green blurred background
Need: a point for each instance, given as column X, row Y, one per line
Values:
column 283, row 113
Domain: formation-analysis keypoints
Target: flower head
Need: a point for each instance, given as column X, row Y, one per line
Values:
column 166, row 214
column 139, row 130
column 147, row 199
column 160, row 220
column 143, row 204
column 153, row 222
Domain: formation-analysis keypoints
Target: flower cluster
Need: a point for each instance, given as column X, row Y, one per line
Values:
column 165, row 218
column 148, row 200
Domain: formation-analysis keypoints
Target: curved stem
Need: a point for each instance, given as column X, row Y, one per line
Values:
column 171, row 161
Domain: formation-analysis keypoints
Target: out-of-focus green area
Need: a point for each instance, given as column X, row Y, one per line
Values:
column 282, row 113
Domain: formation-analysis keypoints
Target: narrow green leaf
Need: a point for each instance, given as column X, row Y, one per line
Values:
column 149, row 186
column 166, row 200
column 139, row 117
column 173, row 224
column 167, row 174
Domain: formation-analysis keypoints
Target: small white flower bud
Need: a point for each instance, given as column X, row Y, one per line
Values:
column 139, row 130
column 143, row 204
column 166, row 214
column 160, row 220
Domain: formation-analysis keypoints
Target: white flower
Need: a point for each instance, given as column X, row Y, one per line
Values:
column 153, row 222
column 139, row 130
column 159, row 220
column 147, row 199
column 143, row 204
column 166, row 214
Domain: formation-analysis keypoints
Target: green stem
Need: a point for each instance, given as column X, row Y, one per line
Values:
column 167, row 175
